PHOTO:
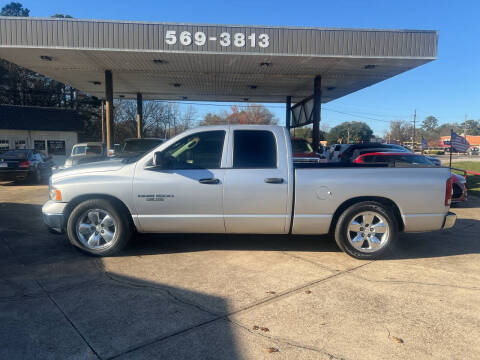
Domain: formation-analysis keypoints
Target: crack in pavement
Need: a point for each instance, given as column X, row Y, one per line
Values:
column 70, row 321
column 286, row 341
column 406, row 282
column 225, row 316
column 53, row 301
column 309, row 261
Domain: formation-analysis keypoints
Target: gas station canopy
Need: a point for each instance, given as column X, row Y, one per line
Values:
column 232, row 63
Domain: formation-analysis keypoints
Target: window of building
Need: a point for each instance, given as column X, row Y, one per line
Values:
column 56, row 147
column 254, row 149
column 39, row 145
column 20, row 144
column 4, row 145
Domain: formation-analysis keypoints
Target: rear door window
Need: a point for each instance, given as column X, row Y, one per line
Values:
column 254, row 149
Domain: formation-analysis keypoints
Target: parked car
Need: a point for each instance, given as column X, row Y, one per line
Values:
column 336, row 151
column 134, row 146
column 395, row 158
column 355, row 150
column 85, row 153
column 303, row 152
column 25, row 164
column 240, row 179
column 459, row 185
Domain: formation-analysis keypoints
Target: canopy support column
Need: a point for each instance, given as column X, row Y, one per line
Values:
column 109, row 108
column 288, row 113
column 139, row 115
column 317, row 108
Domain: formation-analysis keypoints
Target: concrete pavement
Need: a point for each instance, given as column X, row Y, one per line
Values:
column 203, row 296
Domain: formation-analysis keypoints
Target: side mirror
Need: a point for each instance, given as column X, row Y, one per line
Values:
column 159, row 160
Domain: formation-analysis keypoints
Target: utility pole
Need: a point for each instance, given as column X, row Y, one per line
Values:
column 414, row 129
column 348, row 135
column 465, row 127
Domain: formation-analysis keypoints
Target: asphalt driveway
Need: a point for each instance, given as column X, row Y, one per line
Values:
column 234, row 297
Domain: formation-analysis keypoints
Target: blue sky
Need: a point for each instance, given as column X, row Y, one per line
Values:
column 447, row 88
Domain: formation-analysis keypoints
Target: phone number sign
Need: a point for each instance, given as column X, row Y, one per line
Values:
column 224, row 39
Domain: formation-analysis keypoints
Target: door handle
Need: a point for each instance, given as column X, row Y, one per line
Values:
column 274, row 180
column 209, row 181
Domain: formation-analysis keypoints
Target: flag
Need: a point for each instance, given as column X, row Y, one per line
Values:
column 458, row 142
column 424, row 143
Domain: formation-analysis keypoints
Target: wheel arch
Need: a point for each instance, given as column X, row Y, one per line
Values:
column 382, row 200
column 81, row 198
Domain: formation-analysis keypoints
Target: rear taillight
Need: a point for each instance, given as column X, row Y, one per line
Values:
column 358, row 160
column 24, row 164
column 449, row 191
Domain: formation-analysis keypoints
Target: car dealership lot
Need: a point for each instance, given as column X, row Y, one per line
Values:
column 203, row 296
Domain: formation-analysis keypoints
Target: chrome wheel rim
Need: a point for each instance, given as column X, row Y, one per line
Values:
column 368, row 231
column 96, row 229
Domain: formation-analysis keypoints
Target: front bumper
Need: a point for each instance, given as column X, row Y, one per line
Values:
column 449, row 221
column 53, row 215
column 11, row 175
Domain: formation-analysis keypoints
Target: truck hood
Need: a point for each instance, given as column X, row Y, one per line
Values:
column 95, row 167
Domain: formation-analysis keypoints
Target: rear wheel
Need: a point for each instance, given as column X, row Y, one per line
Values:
column 366, row 230
column 99, row 227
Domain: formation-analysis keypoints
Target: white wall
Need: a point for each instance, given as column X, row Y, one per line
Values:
column 70, row 138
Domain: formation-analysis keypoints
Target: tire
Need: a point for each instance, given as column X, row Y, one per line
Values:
column 37, row 177
column 34, row 177
column 360, row 241
column 110, row 235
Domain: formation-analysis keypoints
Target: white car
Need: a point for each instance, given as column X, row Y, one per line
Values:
column 337, row 150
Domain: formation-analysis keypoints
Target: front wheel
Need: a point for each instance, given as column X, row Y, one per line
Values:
column 367, row 230
column 99, row 227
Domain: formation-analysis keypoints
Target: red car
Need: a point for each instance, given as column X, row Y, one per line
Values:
column 303, row 152
column 459, row 187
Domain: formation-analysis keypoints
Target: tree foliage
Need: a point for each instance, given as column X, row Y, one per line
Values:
column 400, row 131
column 160, row 119
column 14, row 9
column 62, row 16
column 346, row 132
column 430, row 123
column 250, row 114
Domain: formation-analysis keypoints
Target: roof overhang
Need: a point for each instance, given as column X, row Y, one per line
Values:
column 77, row 52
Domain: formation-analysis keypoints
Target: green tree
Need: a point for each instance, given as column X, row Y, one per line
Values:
column 353, row 131
column 472, row 126
column 62, row 16
column 430, row 123
column 14, row 9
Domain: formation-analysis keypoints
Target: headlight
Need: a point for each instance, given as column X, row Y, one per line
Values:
column 55, row 194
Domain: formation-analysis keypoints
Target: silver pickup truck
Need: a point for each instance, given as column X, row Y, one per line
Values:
column 241, row 179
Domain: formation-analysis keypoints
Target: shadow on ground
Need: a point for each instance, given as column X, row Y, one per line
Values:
column 55, row 302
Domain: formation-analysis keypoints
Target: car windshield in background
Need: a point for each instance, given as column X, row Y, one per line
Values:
column 87, row 150
column 79, row 150
column 140, row 145
column 15, row 154
column 93, row 150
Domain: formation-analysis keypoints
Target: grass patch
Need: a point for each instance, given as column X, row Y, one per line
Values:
column 473, row 181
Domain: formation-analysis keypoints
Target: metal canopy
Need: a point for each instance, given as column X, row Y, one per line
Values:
column 269, row 64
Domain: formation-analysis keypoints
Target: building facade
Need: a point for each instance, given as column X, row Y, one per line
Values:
column 52, row 131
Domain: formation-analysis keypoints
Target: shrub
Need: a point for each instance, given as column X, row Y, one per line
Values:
column 435, row 152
